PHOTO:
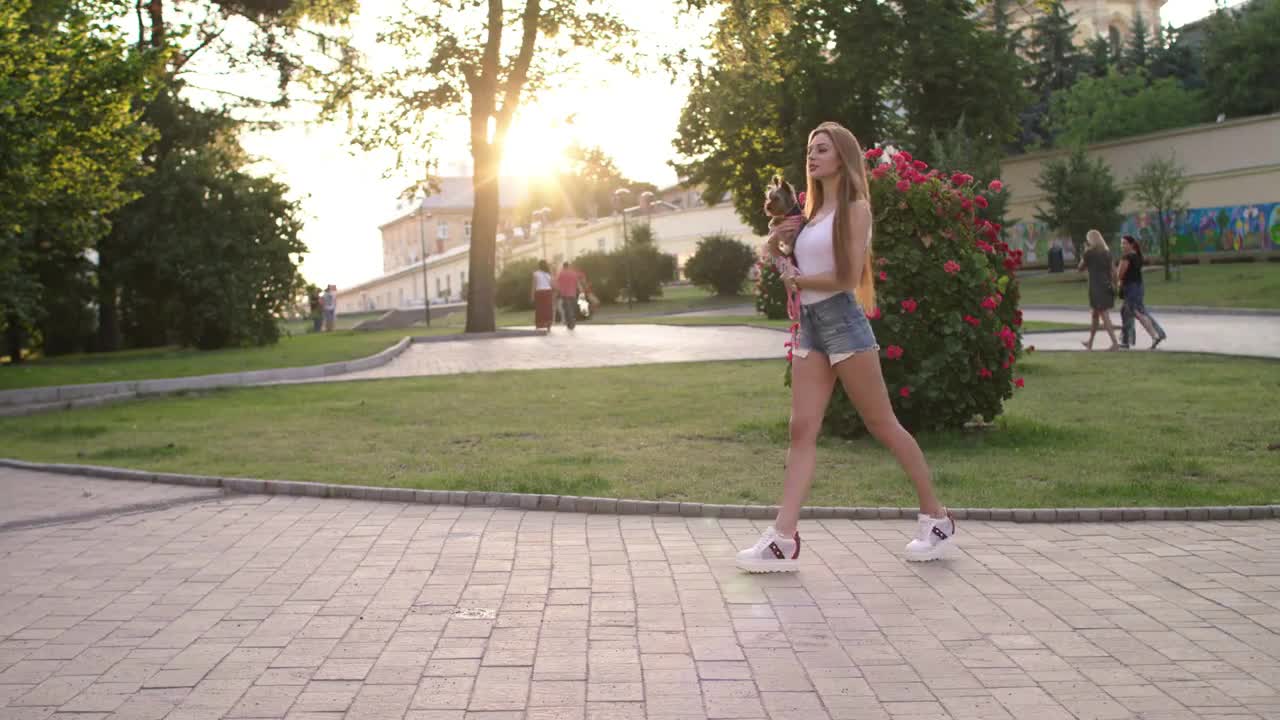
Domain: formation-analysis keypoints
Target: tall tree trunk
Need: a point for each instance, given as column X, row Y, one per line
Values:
column 484, row 239
column 13, row 336
column 108, row 296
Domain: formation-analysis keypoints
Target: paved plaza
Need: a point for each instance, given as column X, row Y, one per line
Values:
column 271, row 607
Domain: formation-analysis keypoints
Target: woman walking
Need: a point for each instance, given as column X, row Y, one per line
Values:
column 541, row 295
column 836, row 341
column 1133, row 290
column 1102, row 293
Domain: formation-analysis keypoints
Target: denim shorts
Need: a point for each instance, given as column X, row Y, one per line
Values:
column 837, row 326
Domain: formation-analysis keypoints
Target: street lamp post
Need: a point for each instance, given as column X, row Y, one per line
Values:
column 620, row 199
column 423, row 215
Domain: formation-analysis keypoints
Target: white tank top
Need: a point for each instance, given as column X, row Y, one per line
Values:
column 815, row 255
column 541, row 280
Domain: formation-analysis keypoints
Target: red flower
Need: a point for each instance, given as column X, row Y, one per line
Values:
column 984, row 373
column 1010, row 264
column 985, row 247
column 989, row 303
column 1018, row 382
column 903, row 185
column 1017, row 317
column 920, row 165
column 904, row 156
column 873, row 313
column 882, row 261
column 1005, row 365
column 910, row 305
column 995, row 186
column 959, row 179
column 788, row 356
column 883, row 276
column 880, row 171
column 965, row 204
column 972, row 320
column 980, row 201
column 893, row 352
column 951, row 267
column 904, row 391
column 874, row 153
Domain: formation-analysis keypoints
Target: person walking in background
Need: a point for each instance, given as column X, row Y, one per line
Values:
column 541, row 295
column 567, row 282
column 1102, row 293
column 329, row 302
column 1133, row 291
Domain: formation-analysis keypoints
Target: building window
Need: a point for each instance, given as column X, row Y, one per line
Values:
column 463, row 277
column 437, row 285
column 466, row 231
column 600, row 243
column 448, row 285
column 402, row 296
column 442, row 229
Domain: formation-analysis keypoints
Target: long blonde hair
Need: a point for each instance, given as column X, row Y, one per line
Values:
column 1094, row 241
column 851, row 186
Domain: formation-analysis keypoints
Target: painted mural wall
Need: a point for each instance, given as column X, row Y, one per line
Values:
column 1215, row 230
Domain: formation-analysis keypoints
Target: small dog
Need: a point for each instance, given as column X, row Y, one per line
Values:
column 781, row 201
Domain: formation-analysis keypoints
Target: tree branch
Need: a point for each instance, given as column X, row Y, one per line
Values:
column 186, row 56
column 520, row 70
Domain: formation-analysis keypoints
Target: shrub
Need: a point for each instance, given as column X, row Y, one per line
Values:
column 720, row 263
column 515, row 283
column 771, row 296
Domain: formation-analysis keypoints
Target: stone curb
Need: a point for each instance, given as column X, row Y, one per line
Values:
column 66, row 396
column 614, row 506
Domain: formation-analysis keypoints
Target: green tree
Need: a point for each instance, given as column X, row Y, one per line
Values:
column 1081, row 195
column 1098, row 57
column 956, row 68
column 1055, row 61
column 295, row 39
column 212, row 250
column 456, row 59
column 1121, row 105
column 1240, row 50
column 1137, row 56
column 886, row 70
column 69, row 138
column 1174, row 57
column 1055, row 65
column 721, row 264
column 1161, row 185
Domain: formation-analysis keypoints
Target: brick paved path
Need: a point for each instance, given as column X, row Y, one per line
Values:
column 256, row 607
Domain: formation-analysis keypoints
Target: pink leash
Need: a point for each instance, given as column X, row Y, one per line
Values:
column 783, row 266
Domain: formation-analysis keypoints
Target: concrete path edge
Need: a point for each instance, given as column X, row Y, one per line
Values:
column 614, row 506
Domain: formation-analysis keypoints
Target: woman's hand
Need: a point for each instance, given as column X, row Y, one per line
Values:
column 784, row 234
column 791, row 279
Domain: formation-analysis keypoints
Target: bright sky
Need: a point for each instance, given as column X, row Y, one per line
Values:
column 632, row 118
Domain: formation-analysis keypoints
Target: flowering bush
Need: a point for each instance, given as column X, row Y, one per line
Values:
column 771, row 295
column 947, row 317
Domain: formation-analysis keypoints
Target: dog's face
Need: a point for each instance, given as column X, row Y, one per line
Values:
column 779, row 198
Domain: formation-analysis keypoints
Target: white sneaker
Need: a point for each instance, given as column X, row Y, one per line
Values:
column 771, row 553
column 934, row 539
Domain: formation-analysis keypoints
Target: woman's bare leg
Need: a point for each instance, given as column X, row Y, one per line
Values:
column 811, row 381
column 864, row 383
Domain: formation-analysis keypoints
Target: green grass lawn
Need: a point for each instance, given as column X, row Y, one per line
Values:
column 152, row 363
column 1234, row 285
column 1088, row 430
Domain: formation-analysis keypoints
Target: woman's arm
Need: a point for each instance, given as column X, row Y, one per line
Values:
column 858, row 227
column 1124, row 268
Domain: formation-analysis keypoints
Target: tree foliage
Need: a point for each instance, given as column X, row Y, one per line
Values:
column 1161, row 185
column 1081, row 195
column 1120, row 105
column 1240, row 51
